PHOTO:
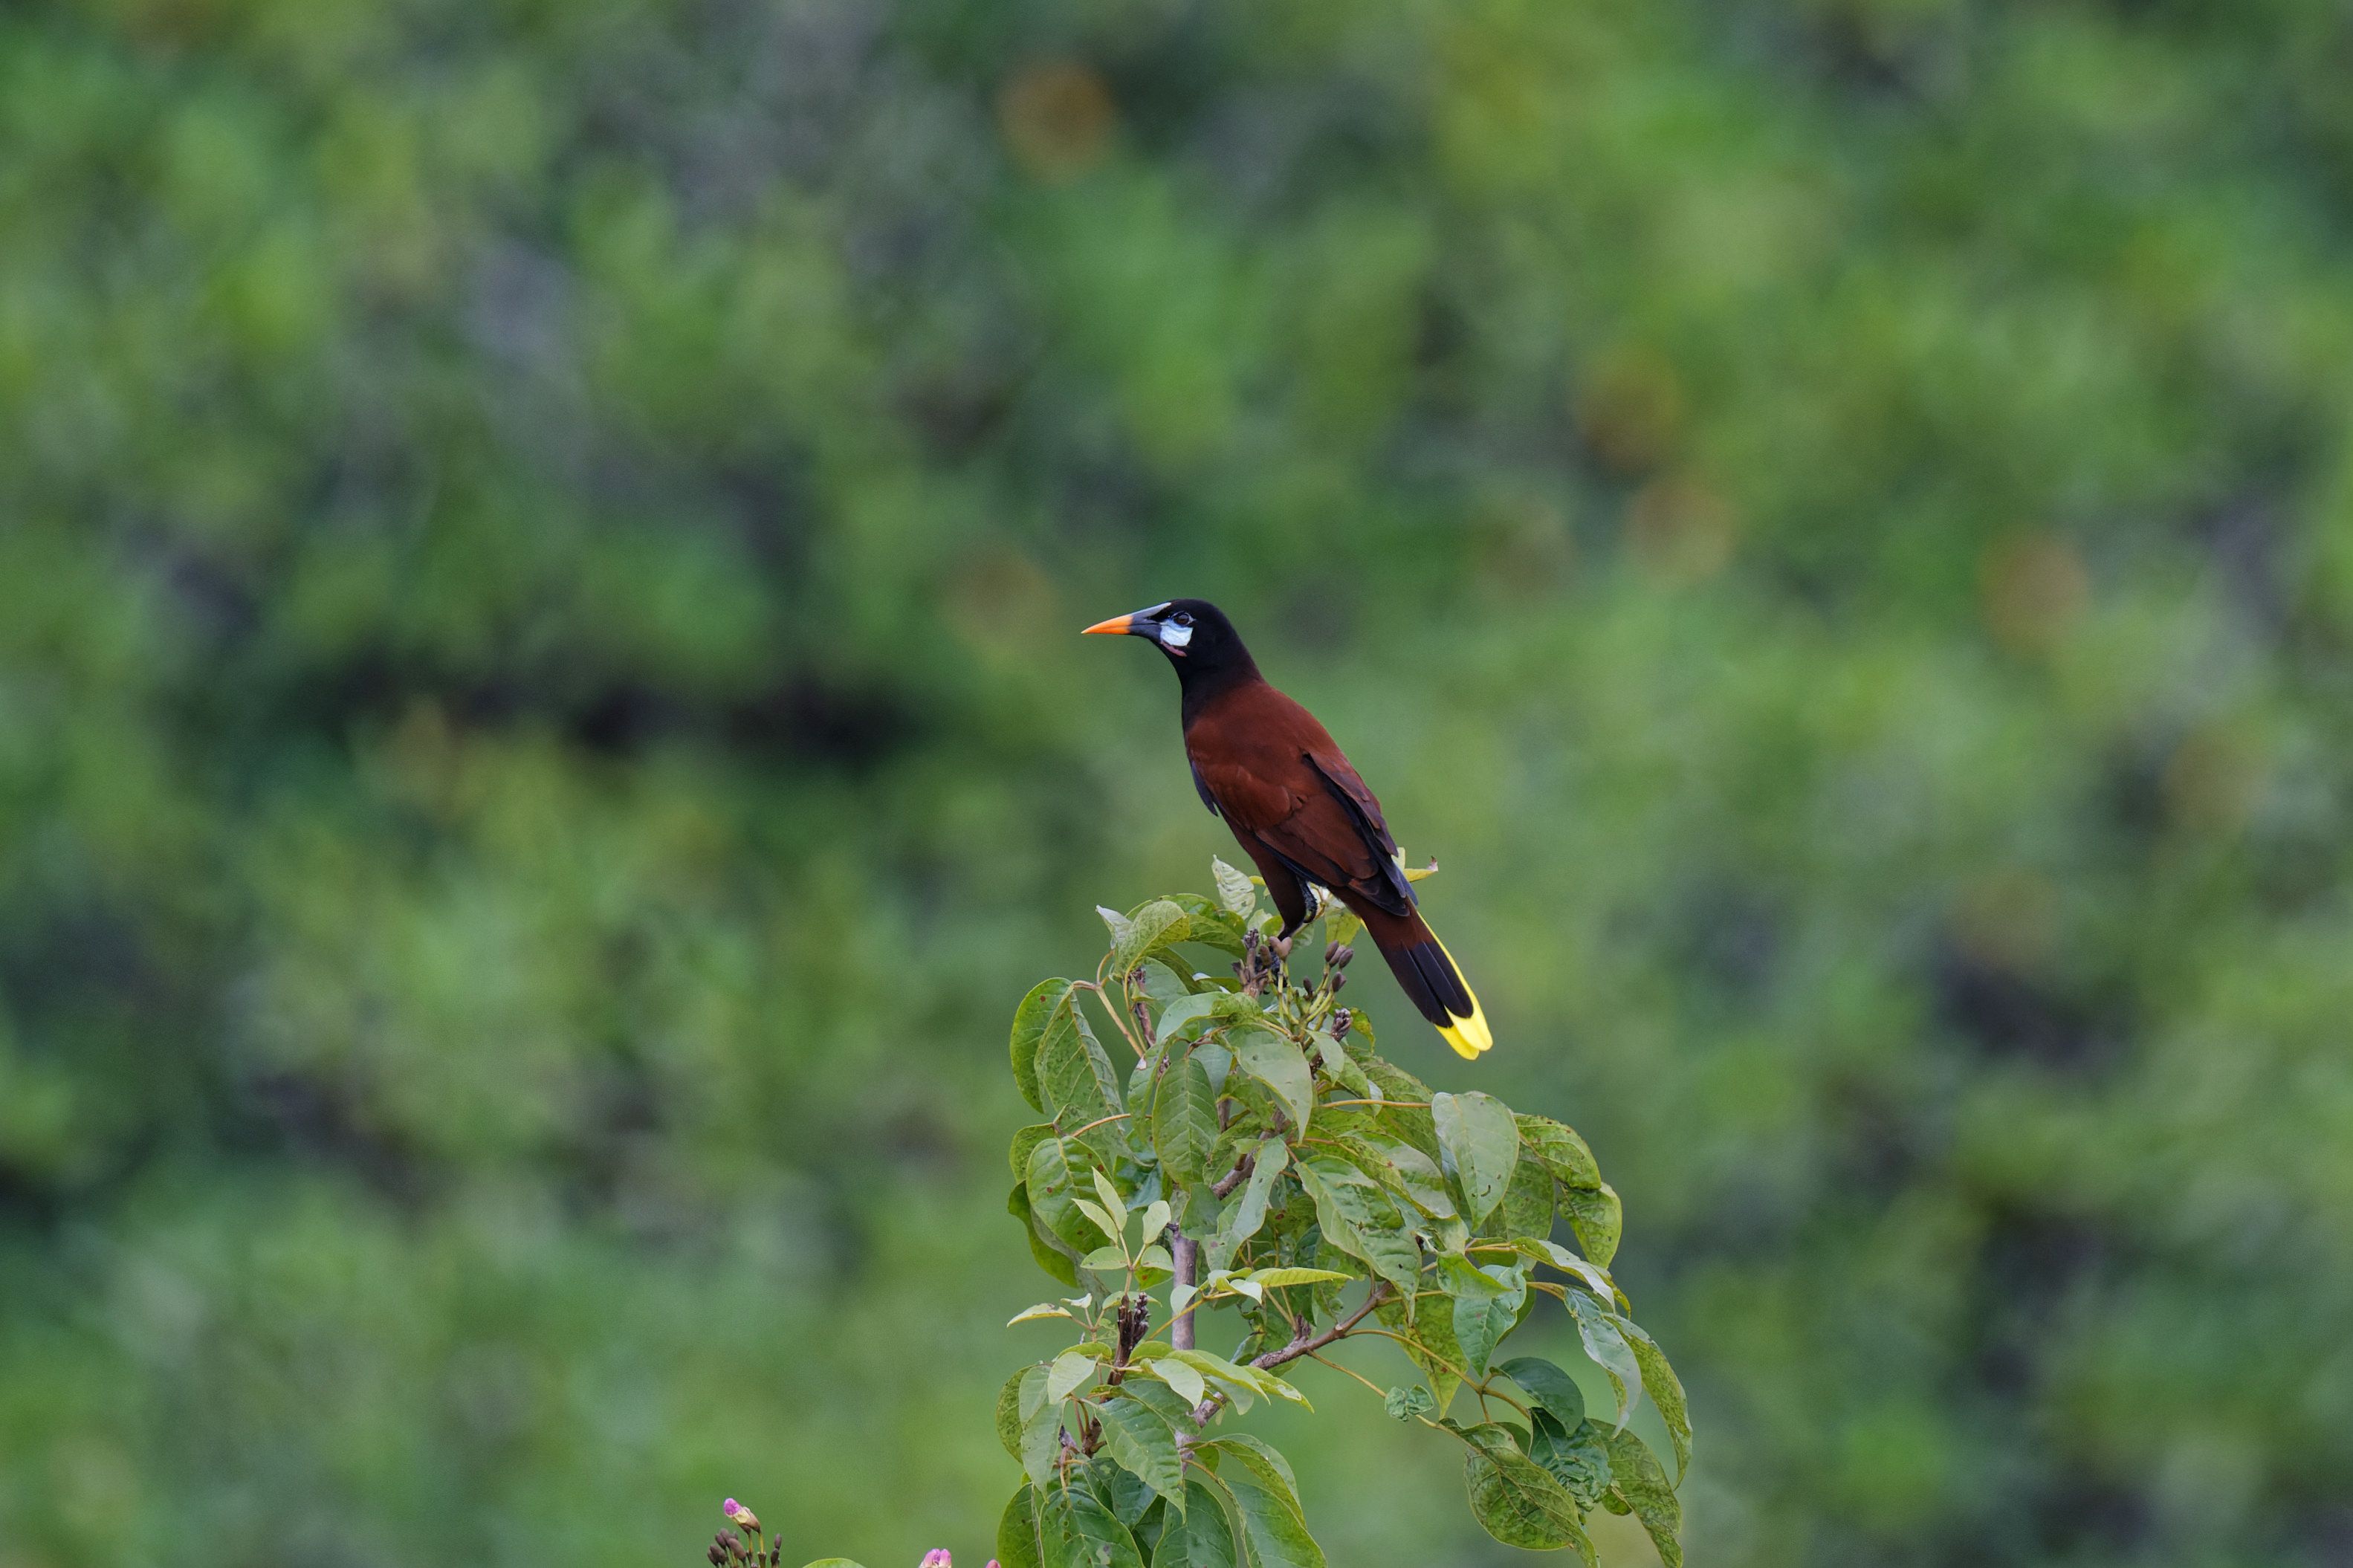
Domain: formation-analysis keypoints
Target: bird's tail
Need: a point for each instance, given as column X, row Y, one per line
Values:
column 1430, row 978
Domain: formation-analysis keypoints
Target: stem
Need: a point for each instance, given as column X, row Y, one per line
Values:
column 1103, row 999
column 1225, row 1185
column 1098, row 1121
column 1391, row 1104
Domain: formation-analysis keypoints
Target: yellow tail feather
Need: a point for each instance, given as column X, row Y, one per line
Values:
column 1470, row 1035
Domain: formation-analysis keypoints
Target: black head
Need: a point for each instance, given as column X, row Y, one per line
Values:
column 1194, row 635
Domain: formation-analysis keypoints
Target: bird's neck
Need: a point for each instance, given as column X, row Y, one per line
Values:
column 1205, row 684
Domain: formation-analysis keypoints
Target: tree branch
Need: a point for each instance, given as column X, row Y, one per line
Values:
column 1303, row 1344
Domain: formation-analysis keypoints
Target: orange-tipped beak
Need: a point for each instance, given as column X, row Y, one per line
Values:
column 1115, row 627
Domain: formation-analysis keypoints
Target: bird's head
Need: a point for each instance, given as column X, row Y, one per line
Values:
column 1193, row 633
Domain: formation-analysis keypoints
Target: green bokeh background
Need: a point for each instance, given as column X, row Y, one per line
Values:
column 542, row 734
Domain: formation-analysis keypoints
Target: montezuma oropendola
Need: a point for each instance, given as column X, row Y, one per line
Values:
column 1297, row 808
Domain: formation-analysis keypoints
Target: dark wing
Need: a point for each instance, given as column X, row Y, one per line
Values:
column 1314, row 827
column 1342, row 781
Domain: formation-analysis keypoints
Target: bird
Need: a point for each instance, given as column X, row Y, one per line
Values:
column 1297, row 807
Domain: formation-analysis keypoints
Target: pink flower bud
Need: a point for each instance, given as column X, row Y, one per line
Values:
column 738, row 1514
column 937, row 1557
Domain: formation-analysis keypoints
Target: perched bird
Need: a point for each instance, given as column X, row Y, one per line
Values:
column 1300, row 811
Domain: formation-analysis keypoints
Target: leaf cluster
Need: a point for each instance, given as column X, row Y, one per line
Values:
column 1229, row 1149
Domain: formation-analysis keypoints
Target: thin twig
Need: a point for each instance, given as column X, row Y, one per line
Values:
column 1352, row 1371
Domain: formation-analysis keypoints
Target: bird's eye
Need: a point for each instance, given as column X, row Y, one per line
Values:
column 1183, row 618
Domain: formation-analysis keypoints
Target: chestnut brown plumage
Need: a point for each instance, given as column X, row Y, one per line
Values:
column 1298, row 809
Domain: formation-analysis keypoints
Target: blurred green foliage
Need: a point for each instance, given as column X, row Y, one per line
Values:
column 542, row 734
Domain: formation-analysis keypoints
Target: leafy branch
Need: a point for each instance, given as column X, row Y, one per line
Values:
column 1258, row 1162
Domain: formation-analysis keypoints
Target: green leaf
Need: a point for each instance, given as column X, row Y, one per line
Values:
column 1406, row 1404
column 1276, row 1062
column 1574, row 1455
column 1479, row 1326
column 1054, row 1197
column 1515, row 1499
column 1186, row 1382
column 1479, row 1144
column 1009, row 1408
column 1070, row 1369
column 1116, row 923
column 1597, row 1218
column 1403, row 1170
column 1528, row 1203
column 1210, row 924
column 1641, row 1484
column 1078, row 1083
column 1029, row 1028
column 1041, row 1427
column 1358, row 1218
column 1487, row 1303
column 1558, row 1150
column 1095, row 1537
column 1665, row 1389
column 1274, row 1527
column 1172, row 1406
column 1044, row 1248
column 1553, row 1389
column 1021, row 1535
column 1202, row 1538
column 1114, row 1202
column 1413, row 1125
column 1183, row 1011
column 1143, row 1443
column 1042, row 1309
column 1118, row 1489
column 1156, row 925
column 1430, row 1344
column 1278, row 1279
column 1024, row 1141
column 1608, row 1347
column 1167, row 981
column 1234, row 889
column 1184, row 1119
column 832, row 1562
column 1242, row 1219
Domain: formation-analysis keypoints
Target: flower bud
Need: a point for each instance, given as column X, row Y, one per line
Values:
column 738, row 1514
column 1337, row 955
column 937, row 1557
